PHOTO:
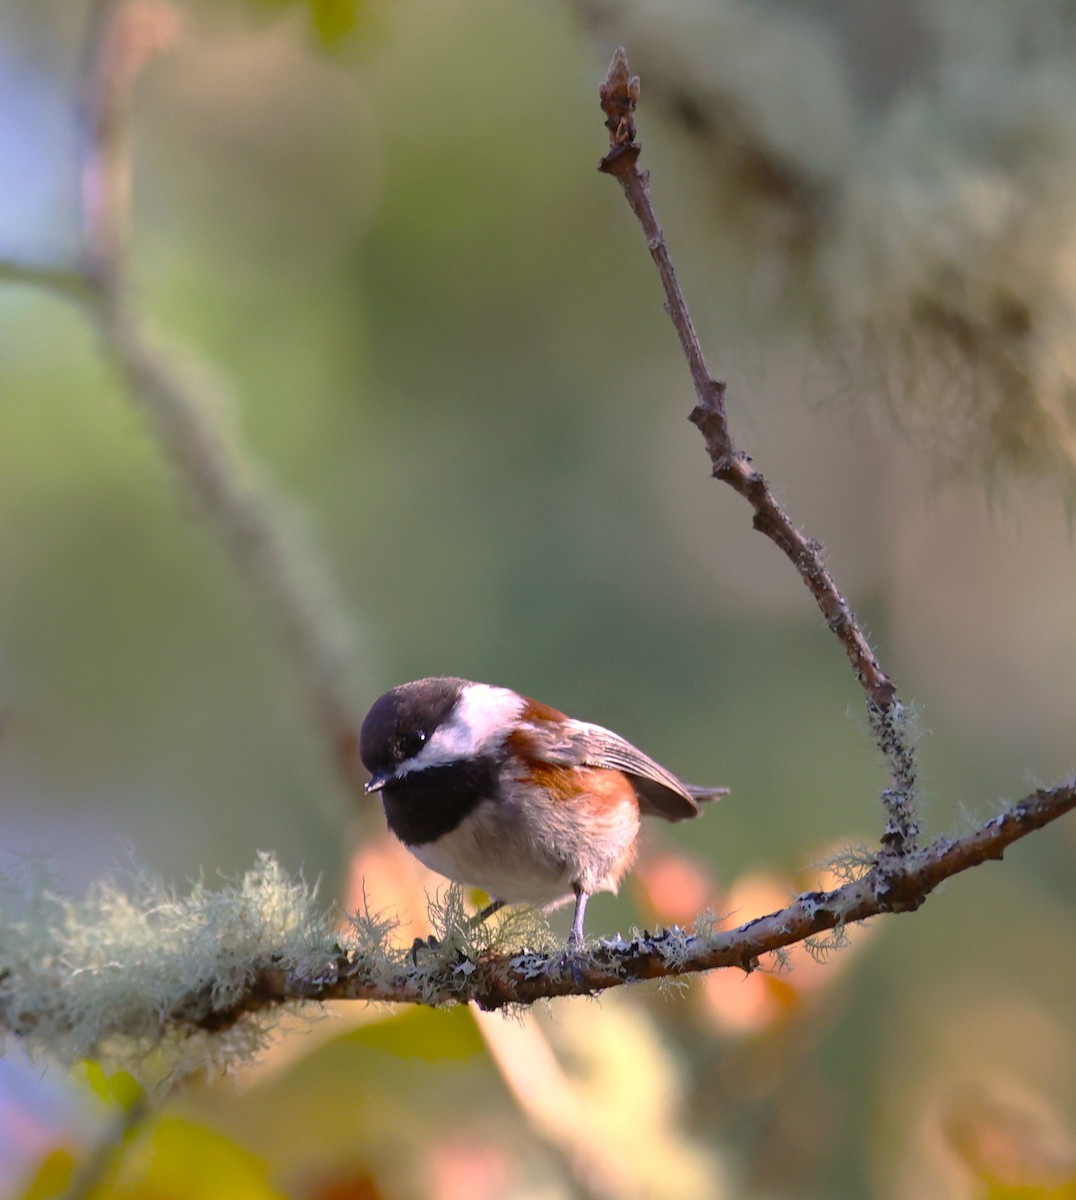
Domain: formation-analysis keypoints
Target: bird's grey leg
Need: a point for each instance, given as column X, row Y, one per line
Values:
column 575, row 938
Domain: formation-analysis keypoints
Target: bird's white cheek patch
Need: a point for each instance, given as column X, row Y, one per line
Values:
column 483, row 717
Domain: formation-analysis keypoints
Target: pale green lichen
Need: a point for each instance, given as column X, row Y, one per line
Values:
column 105, row 976
column 672, row 945
column 779, row 961
column 823, row 946
column 705, row 924
column 850, row 863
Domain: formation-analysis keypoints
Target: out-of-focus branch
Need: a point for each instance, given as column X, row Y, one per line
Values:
column 121, row 38
column 264, row 539
column 64, row 280
column 182, row 401
column 545, row 1097
column 95, row 1168
column 619, row 95
column 300, row 959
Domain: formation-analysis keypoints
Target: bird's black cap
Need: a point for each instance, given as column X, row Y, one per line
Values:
column 400, row 721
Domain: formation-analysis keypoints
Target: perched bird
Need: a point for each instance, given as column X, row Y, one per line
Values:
column 509, row 795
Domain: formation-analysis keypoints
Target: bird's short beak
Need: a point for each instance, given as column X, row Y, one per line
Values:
column 375, row 784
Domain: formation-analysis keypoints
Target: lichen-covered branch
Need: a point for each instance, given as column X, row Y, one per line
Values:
column 119, row 975
column 522, row 978
column 619, row 95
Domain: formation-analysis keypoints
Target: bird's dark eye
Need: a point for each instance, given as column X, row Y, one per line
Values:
column 412, row 743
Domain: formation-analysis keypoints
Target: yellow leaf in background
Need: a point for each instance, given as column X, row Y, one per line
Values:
column 424, row 1033
column 53, row 1177
column 1015, row 1191
column 334, row 18
column 126, row 1090
column 120, row 1088
column 182, row 1160
column 1014, row 1142
column 96, row 1080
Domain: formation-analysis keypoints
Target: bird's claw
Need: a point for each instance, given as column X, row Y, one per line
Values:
column 572, row 960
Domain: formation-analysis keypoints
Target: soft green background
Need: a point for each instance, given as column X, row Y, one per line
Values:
column 446, row 345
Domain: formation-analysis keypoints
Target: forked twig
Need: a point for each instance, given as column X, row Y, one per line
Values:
column 619, row 95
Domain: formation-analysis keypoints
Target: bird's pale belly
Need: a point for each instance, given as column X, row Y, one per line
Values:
column 535, row 849
column 518, row 878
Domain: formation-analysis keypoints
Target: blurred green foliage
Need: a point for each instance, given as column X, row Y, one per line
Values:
column 333, row 20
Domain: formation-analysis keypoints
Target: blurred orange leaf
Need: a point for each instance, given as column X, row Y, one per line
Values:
column 671, row 888
column 357, row 1186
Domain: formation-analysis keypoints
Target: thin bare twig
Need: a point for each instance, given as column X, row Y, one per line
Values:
column 619, row 95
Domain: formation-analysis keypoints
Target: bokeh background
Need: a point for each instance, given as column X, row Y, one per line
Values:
column 436, row 328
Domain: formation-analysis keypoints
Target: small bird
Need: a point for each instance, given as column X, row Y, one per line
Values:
column 503, row 793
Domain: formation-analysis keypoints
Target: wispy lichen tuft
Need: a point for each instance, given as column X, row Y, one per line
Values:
column 849, row 863
column 512, row 927
column 906, row 200
column 125, row 973
column 823, row 946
